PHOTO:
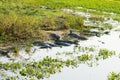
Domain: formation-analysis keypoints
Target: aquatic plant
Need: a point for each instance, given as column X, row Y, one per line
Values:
column 23, row 72
column 32, row 79
column 6, row 66
column 84, row 57
column 68, row 62
column 114, row 76
column 91, row 49
column 38, row 74
column 68, row 53
column 104, row 53
column 11, row 78
column 85, row 49
column 43, row 68
column 30, row 70
column 15, row 65
column 48, row 65
column 74, row 63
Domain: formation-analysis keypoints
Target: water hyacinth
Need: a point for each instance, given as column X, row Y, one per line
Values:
column 84, row 57
column 114, row 76
column 104, row 53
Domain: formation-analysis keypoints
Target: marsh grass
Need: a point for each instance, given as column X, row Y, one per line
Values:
column 116, row 17
column 108, row 26
column 66, row 21
column 16, row 51
column 24, row 29
column 14, row 28
column 97, row 18
column 23, row 21
column 28, row 48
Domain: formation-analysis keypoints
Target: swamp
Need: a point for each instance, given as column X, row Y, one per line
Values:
column 59, row 39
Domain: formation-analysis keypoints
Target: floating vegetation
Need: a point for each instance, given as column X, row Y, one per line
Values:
column 85, row 57
column 10, row 78
column 10, row 66
column 71, row 62
column 104, row 53
column 40, row 69
column 77, row 50
column 84, row 49
column 32, row 79
column 114, row 76
column 68, row 53
column 48, row 65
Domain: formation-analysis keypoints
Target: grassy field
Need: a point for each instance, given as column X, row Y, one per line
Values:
column 24, row 20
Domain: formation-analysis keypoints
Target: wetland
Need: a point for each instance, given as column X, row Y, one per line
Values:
column 59, row 40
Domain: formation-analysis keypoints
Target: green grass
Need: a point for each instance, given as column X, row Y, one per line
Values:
column 22, row 5
column 23, row 20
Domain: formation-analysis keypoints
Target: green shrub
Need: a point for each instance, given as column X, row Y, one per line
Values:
column 75, row 22
column 14, row 27
column 67, row 21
